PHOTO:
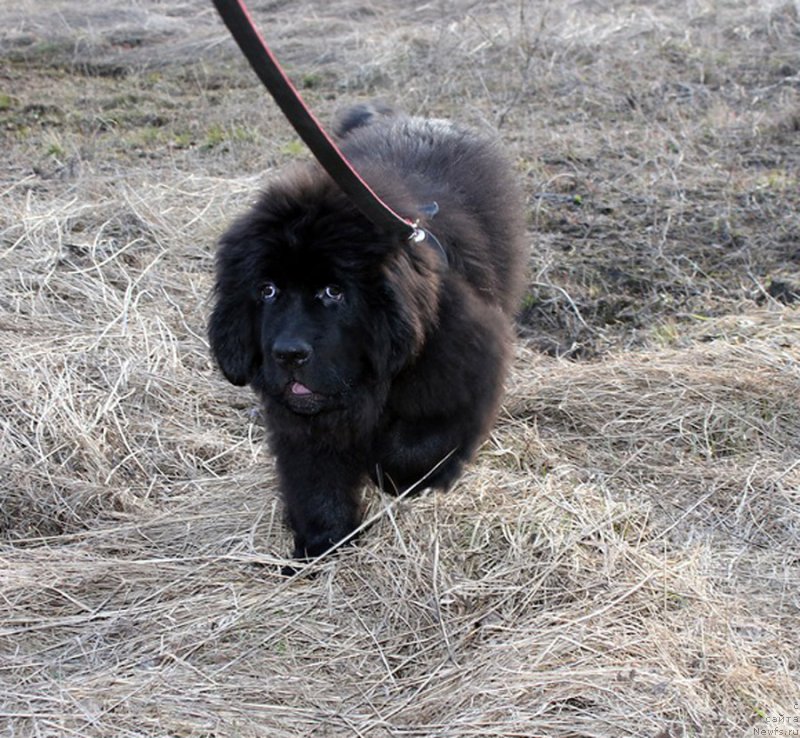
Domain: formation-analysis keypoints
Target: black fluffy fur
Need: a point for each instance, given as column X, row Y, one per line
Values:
column 374, row 356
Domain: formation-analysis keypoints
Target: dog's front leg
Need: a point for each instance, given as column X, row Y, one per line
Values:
column 321, row 489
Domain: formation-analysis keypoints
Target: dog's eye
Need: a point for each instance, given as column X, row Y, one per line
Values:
column 332, row 293
column 269, row 292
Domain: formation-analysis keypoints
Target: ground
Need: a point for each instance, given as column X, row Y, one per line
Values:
column 622, row 559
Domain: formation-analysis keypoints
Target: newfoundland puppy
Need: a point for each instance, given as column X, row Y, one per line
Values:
column 375, row 356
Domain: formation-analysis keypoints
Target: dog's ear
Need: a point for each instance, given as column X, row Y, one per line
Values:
column 233, row 338
column 413, row 282
column 233, row 328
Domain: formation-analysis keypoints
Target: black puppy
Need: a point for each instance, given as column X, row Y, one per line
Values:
column 374, row 355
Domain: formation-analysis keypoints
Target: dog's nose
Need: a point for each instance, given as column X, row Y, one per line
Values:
column 291, row 353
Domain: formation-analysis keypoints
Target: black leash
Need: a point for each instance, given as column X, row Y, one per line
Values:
column 269, row 71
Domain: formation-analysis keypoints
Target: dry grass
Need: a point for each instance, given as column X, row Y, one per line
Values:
column 624, row 557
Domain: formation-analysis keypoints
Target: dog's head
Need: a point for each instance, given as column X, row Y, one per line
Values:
column 313, row 303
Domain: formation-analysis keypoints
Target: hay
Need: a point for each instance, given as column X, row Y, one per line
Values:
column 621, row 560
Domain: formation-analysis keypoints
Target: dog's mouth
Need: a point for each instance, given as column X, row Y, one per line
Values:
column 298, row 389
column 302, row 399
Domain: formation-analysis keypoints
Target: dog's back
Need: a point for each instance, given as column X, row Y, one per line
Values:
column 416, row 162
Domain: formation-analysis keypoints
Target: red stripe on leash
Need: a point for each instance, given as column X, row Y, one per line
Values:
column 239, row 22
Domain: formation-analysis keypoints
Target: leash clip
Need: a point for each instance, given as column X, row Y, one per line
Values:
column 419, row 234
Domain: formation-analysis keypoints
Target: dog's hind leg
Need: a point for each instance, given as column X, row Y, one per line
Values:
column 421, row 454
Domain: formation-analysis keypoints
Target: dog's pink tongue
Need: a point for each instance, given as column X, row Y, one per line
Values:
column 300, row 389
